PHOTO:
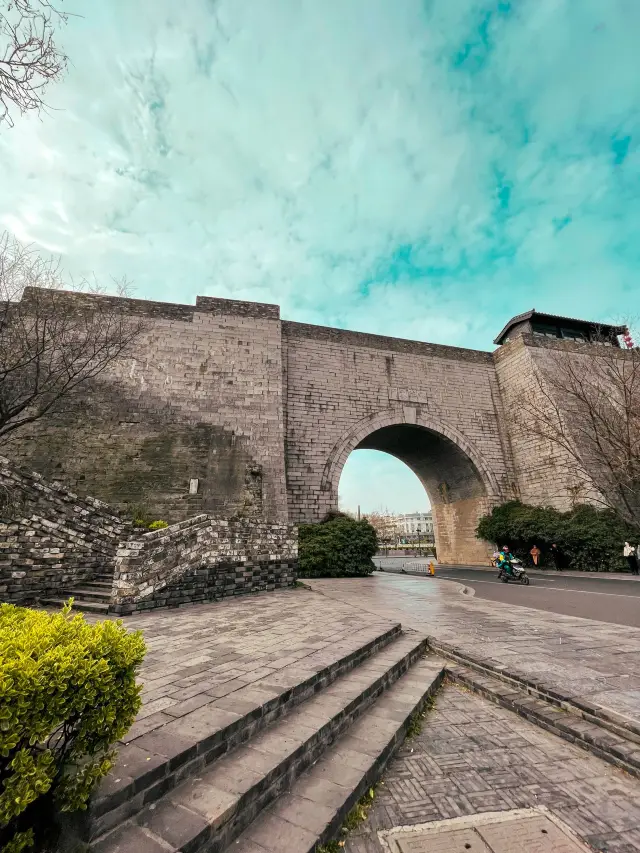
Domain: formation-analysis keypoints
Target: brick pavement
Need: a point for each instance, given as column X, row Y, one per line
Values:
column 594, row 661
column 210, row 654
column 474, row 757
column 198, row 654
column 224, row 646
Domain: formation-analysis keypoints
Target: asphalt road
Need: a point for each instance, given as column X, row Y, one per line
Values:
column 599, row 597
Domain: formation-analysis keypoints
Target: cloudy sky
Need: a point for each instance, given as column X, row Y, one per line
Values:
column 420, row 168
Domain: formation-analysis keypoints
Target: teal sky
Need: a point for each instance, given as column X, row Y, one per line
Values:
column 420, row 168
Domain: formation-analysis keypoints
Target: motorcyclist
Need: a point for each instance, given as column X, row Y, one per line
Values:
column 505, row 560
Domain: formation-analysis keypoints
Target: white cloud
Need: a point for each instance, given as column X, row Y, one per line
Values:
column 287, row 150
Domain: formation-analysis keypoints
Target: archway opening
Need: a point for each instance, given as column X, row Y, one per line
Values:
column 381, row 488
column 378, row 482
column 454, row 486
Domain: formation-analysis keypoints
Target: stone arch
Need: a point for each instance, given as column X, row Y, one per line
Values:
column 458, row 481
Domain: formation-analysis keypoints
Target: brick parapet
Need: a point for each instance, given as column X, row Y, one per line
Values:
column 162, row 559
column 51, row 538
column 345, row 337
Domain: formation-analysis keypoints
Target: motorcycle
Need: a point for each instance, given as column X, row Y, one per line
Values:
column 519, row 573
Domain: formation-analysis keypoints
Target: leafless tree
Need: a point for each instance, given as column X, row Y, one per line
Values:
column 385, row 524
column 29, row 55
column 587, row 403
column 54, row 344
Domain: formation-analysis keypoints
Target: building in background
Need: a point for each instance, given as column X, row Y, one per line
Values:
column 416, row 525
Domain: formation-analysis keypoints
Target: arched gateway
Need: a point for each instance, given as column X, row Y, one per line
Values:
column 224, row 408
column 432, row 407
column 456, row 479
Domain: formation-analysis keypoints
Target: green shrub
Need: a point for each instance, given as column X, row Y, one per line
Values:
column 158, row 525
column 339, row 546
column 67, row 693
column 590, row 538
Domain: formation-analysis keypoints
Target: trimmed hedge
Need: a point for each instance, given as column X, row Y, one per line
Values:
column 337, row 547
column 67, row 692
column 590, row 538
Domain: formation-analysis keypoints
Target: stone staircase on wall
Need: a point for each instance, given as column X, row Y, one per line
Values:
column 56, row 545
column 275, row 766
column 90, row 596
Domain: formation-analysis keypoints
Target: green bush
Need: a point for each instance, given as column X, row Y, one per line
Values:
column 67, row 692
column 158, row 525
column 590, row 538
column 339, row 546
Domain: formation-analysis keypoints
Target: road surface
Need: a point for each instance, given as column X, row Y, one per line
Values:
column 592, row 596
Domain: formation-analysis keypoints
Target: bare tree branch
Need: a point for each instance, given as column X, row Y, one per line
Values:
column 29, row 55
column 54, row 343
column 587, row 403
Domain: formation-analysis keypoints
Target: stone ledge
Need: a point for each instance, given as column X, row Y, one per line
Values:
column 616, row 723
column 618, row 751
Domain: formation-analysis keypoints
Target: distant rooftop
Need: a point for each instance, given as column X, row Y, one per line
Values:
column 551, row 326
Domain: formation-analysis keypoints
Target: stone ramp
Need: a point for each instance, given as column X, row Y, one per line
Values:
column 606, row 724
column 207, row 802
column 582, row 729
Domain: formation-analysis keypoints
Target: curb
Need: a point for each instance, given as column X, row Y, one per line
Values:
column 463, row 589
column 595, row 576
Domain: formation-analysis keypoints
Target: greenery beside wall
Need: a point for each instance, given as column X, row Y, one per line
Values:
column 591, row 539
column 68, row 692
column 339, row 546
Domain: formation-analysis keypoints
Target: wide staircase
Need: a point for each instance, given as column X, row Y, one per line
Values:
column 91, row 596
column 276, row 766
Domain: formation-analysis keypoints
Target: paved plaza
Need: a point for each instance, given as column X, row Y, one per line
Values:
column 592, row 661
column 217, row 653
column 210, row 666
column 209, row 652
column 473, row 757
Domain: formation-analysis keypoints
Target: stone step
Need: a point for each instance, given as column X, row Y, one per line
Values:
column 312, row 809
column 98, row 584
column 614, row 748
column 210, row 809
column 78, row 604
column 86, row 593
column 155, row 756
column 616, row 723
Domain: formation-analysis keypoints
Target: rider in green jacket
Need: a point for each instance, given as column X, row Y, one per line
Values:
column 505, row 560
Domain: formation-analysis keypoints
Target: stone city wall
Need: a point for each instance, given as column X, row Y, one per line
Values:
column 226, row 410
column 192, row 422
column 202, row 559
column 50, row 538
column 346, row 390
column 546, row 472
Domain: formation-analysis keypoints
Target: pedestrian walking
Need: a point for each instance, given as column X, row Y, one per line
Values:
column 629, row 551
column 535, row 554
column 557, row 557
